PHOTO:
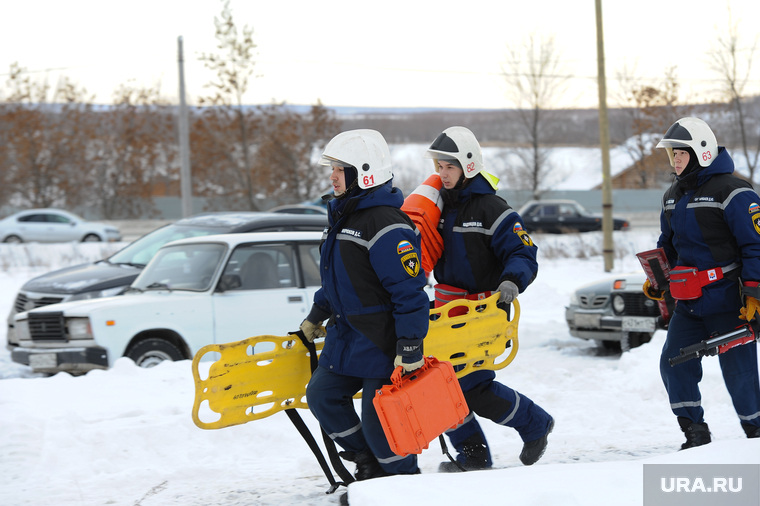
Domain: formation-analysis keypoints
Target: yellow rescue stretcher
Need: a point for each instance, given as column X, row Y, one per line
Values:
column 245, row 385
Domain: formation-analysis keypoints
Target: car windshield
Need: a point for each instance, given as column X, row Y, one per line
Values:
column 182, row 267
column 142, row 250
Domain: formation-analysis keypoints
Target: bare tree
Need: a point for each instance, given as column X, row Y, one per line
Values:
column 228, row 127
column 290, row 144
column 43, row 141
column 733, row 63
column 253, row 154
column 651, row 108
column 132, row 150
column 536, row 82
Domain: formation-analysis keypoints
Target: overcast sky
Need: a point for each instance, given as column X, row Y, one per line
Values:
column 393, row 53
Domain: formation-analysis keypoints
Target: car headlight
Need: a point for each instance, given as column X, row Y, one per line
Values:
column 79, row 328
column 574, row 300
column 97, row 294
column 618, row 303
column 22, row 330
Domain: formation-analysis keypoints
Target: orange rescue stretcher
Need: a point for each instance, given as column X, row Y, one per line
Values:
column 424, row 206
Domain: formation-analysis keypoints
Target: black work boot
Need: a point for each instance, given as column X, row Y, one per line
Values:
column 534, row 450
column 367, row 466
column 474, row 455
column 697, row 434
column 752, row 431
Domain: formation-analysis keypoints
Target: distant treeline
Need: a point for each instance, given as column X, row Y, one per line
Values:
column 114, row 160
column 565, row 127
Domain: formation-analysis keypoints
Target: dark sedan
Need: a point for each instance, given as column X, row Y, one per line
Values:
column 562, row 216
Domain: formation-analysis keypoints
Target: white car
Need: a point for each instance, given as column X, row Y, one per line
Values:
column 54, row 225
column 193, row 292
column 615, row 313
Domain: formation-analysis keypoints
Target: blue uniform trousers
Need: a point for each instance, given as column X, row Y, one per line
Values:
column 499, row 403
column 330, row 399
column 738, row 365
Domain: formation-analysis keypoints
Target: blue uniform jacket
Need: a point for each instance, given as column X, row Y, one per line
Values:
column 372, row 284
column 712, row 219
column 484, row 242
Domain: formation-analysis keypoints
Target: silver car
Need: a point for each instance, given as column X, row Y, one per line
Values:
column 54, row 225
column 614, row 312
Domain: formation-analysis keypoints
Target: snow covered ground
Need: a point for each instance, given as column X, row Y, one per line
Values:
column 125, row 436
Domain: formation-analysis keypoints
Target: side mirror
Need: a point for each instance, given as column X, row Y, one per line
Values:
column 229, row 282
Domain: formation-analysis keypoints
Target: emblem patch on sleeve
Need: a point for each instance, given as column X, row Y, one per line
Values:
column 522, row 234
column 754, row 208
column 756, row 222
column 411, row 264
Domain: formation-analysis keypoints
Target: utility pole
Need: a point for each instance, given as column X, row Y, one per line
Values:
column 186, row 187
column 604, row 140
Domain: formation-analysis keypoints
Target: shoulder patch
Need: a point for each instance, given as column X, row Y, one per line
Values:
column 754, row 208
column 411, row 264
column 522, row 234
column 756, row 222
column 404, row 247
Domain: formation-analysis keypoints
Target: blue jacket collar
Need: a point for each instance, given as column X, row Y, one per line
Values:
column 477, row 186
column 723, row 164
column 383, row 195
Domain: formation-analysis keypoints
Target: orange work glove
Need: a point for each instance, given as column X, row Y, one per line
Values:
column 651, row 292
column 750, row 310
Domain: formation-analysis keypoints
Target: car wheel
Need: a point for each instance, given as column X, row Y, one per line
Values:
column 91, row 238
column 152, row 351
column 636, row 339
column 13, row 239
column 611, row 345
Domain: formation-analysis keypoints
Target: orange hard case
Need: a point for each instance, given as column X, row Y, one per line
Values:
column 420, row 406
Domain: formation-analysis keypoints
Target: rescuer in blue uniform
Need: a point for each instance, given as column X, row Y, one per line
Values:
column 484, row 249
column 710, row 222
column 373, row 294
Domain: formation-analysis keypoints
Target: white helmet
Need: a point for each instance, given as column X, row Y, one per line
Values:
column 691, row 133
column 364, row 149
column 458, row 143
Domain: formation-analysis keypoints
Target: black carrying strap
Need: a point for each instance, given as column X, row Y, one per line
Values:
column 332, row 452
column 660, row 278
column 445, row 450
column 306, row 435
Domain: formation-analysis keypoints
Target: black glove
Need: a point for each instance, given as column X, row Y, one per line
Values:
column 409, row 354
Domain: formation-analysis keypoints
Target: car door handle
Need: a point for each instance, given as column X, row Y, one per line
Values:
column 295, row 298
